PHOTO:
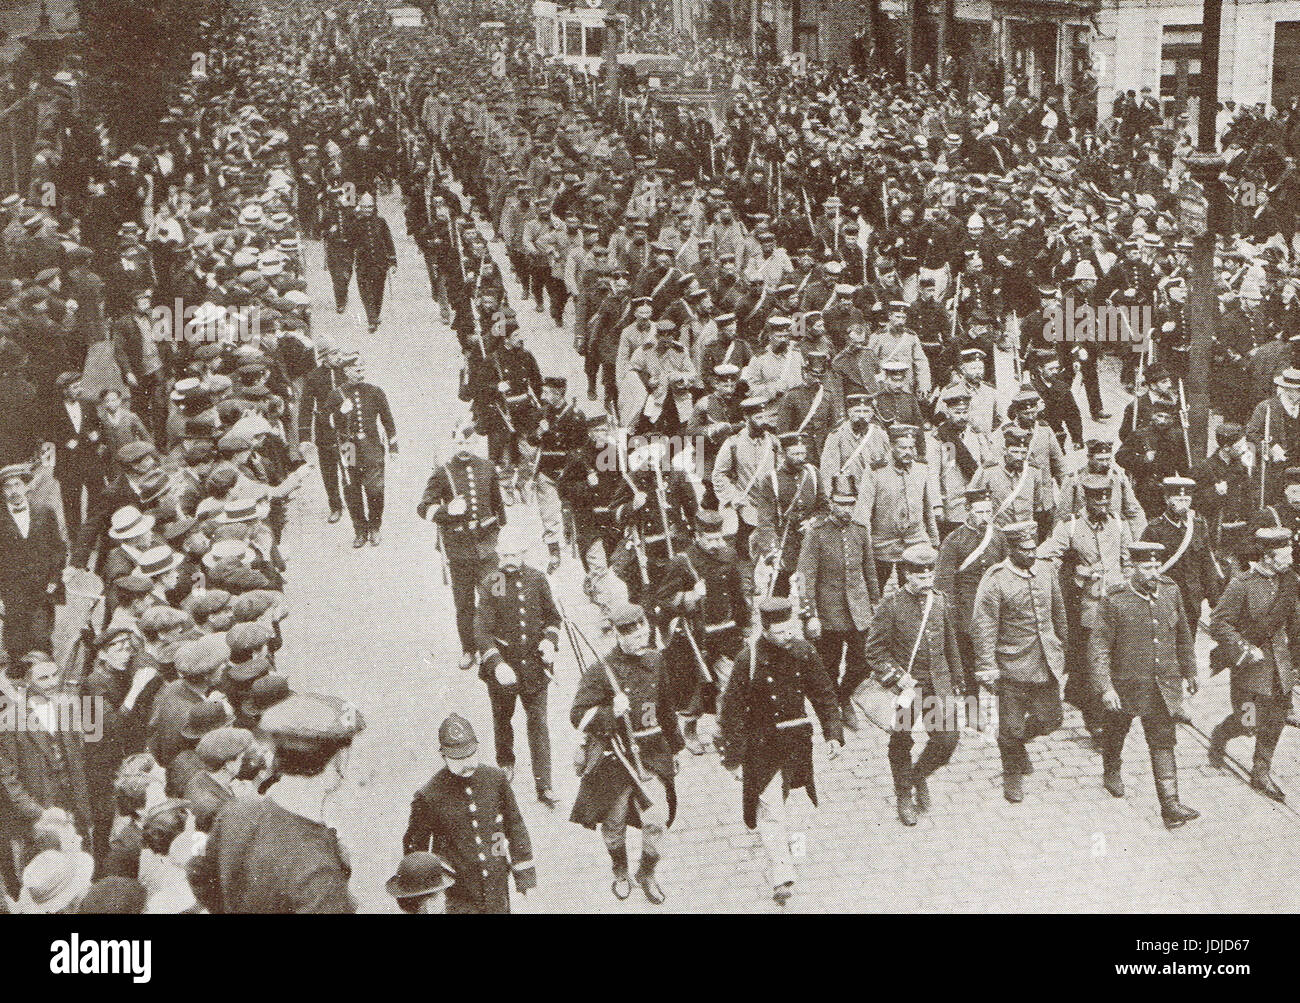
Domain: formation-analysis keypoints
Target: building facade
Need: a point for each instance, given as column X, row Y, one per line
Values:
column 1146, row 43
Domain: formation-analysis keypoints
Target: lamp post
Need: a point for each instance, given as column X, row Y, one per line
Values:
column 1205, row 166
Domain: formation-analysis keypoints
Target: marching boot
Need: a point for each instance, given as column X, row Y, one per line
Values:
column 849, row 716
column 1013, row 770
column 922, row 792
column 1223, row 731
column 335, row 515
column 645, row 877
column 906, row 807
column 1026, row 767
column 622, row 886
column 1013, row 786
column 1261, row 779
column 691, row 736
column 1165, row 772
column 554, row 564
column 1112, row 777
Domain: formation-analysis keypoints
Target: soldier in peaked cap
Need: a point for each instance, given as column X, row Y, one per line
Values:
column 1123, row 499
column 1256, row 623
column 837, row 587
column 463, row 498
column 1018, row 631
column 1140, row 655
column 785, row 498
column 974, row 546
column 276, row 854
column 897, row 503
column 912, row 646
column 768, row 734
column 1186, row 538
column 702, row 590
column 468, row 816
column 625, row 708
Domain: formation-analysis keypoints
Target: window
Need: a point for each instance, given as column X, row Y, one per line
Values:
column 1180, row 65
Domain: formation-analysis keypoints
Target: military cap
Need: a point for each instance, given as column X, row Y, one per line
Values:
column 753, row 404
column 222, row 744
column 1097, row 446
column 789, row 440
column 1184, row 485
column 202, row 655
column 857, row 400
column 1013, row 435
column 919, row 555
column 1272, row 537
column 973, row 355
column 726, row 371
column 895, row 365
column 1024, row 398
column 456, row 738
column 310, row 722
column 775, row 609
column 954, row 394
column 901, row 430
column 977, row 494
column 895, row 305
column 727, row 256
column 1027, row 528
column 203, row 717
column 779, row 323
column 1140, row 551
column 1095, row 484
column 1229, row 434
column 723, row 319
column 626, row 615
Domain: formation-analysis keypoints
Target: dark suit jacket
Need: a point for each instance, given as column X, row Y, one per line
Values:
column 76, row 458
column 28, row 565
column 40, row 770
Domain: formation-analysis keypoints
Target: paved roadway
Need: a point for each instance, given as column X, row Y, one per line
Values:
column 376, row 626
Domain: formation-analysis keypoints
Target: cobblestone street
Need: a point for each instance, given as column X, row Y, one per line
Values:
column 375, row 626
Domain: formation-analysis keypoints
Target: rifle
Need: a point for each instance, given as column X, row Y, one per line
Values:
column 1182, row 417
column 1268, row 446
column 689, row 631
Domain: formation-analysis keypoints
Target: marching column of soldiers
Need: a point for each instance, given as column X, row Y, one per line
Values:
column 805, row 497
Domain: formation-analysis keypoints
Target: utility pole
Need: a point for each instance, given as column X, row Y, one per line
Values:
column 1205, row 166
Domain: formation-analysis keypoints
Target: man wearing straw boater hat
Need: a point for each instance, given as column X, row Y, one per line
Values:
column 32, row 556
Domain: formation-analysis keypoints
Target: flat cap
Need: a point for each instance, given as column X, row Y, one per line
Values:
column 306, row 722
column 202, row 655
column 220, row 745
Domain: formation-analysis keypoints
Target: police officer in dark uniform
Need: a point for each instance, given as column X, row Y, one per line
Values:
column 364, row 424
column 316, row 425
column 624, row 705
column 1140, row 655
column 560, row 432
column 467, row 815
column 702, row 591
column 338, row 225
column 463, row 498
column 518, row 632
column 375, row 257
column 768, row 734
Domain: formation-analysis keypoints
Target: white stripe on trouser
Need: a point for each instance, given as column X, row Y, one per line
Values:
column 548, row 507
column 774, row 831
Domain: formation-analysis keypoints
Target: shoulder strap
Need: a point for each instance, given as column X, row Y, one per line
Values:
column 925, row 616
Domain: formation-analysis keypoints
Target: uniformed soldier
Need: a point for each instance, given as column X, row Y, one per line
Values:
column 1140, row 655
column 590, row 483
column 858, row 446
column 838, row 590
column 339, row 228
column 463, row 498
column 898, row 343
column 894, row 402
column 965, row 554
column 1020, row 492
column 1123, row 499
column 778, row 367
column 745, row 458
column 1019, row 631
column 785, row 499
column 1090, row 553
column 276, row 854
column 717, row 415
column 1223, row 490
column 656, row 508
column 957, row 451
column 1154, row 453
column 1189, row 559
column 912, row 649
column 768, row 733
column 1044, row 450
column 367, row 435
column 1256, row 623
column 518, row 631
column 985, row 406
column 624, row 706
column 560, row 432
column 703, row 592
column 814, row 407
column 467, row 814
column 897, row 504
